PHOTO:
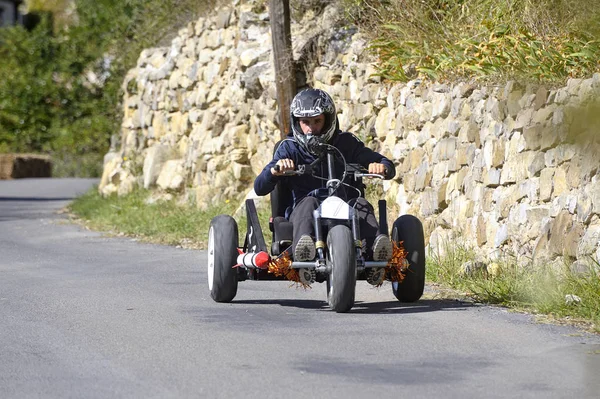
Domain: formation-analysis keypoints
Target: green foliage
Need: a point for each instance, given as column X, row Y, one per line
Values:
column 61, row 89
column 28, row 95
column 540, row 288
column 542, row 40
column 165, row 222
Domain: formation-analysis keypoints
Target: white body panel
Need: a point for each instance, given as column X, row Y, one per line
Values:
column 335, row 208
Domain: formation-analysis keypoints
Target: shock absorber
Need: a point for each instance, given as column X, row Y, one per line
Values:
column 320, row 243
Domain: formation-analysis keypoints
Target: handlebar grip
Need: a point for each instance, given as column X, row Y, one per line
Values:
column 285, row 172
column 300, row 170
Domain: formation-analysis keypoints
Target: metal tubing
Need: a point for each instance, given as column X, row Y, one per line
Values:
column 355, row 227
column 375, row 264
column 304, row 265
column 331, row 169
column 383, row 225
column 318, row 232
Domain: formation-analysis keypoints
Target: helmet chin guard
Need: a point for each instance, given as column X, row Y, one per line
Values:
column 307, row 104
column 315, row 144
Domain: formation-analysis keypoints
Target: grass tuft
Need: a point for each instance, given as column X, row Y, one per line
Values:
column 540, row 289
column 164, row 222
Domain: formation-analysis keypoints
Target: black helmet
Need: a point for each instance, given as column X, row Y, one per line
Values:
column 307, row 104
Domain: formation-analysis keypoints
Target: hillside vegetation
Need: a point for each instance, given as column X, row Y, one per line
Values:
column 61, row 87
column 60, row 93
column 532, row 40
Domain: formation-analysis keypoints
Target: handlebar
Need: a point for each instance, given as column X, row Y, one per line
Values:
column 301, row 170
column 306, row 169
column 358, row 175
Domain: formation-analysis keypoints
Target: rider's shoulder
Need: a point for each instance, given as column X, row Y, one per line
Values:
column 288, row 145
column 288, row 148
column 349, row 138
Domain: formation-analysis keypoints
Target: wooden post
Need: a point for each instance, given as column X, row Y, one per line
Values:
column 285, row 74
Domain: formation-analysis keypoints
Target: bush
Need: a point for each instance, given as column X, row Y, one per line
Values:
column 61, row 92
column 28, row 95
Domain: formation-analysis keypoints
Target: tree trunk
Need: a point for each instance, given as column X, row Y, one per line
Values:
column 285, row 75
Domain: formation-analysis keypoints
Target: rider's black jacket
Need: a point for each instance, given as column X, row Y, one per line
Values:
column 353, row 150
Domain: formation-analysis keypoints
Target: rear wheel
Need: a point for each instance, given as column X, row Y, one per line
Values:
column 409, row 230
column 222, row 256
column 341, row 257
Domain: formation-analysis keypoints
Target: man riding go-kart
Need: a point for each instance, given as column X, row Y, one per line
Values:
column 314, row 123
column 319, row 194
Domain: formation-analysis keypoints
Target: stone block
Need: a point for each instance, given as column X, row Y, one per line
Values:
column 590, row 241
column 533, row 137
column 537, row 164
column 480, row 231
column 455, row 181
column 445, row 149
column 423, row 176
column 501, row 236
column 492, row 177
column 516, row 167
column 544, row 115
column 440, row 105
column 541, row 97
column 171, row 176
column 495, row 109
column 593, row 192
column 550, row 139
column 385, row 122
column 523, row 118
column 429, row 202
column 559, row 182
column 493, row 153
column 561, row 227
column 440, row 171
column 156, row 156
column 508, row 198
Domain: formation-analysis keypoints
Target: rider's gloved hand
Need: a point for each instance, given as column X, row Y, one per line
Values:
column 281, row 166
column 377, row 168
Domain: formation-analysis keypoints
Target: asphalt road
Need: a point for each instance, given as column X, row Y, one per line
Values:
column 88, row 316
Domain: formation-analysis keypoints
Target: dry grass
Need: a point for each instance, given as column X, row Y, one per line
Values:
column 541, row 40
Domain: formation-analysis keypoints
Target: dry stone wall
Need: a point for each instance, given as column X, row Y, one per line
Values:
column 505, row 169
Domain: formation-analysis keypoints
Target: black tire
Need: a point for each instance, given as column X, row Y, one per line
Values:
column 409, row 230
column 341, row 256
column 222, row 256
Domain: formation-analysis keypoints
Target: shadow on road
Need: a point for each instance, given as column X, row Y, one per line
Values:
column 294, row 303
column 422, row 306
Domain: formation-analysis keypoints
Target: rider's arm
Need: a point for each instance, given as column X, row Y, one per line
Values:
column 265, row 182
column 366, row 157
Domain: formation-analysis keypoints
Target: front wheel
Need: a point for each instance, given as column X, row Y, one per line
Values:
column 409, row 230
column 222, row 257
column 341, row 257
